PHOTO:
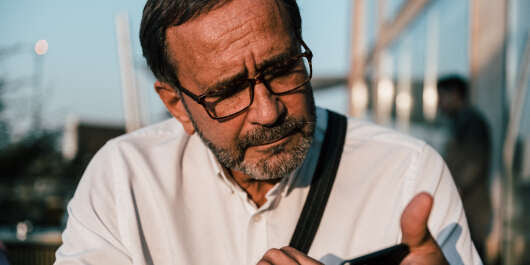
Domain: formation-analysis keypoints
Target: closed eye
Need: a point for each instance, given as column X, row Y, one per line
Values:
column 228, row 90
column 285, row 67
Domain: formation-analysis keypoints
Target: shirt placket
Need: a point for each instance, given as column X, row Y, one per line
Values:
column 257, row 237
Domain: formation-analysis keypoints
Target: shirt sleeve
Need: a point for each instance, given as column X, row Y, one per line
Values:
column 447, row 221
column 92, row 234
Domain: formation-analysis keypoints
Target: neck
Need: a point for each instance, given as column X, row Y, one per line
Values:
column 255, row 189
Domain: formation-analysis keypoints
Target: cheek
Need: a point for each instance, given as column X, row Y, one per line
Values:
column 220, row 133
column 299, row 104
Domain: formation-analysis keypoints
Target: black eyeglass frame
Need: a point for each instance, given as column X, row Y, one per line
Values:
column 209, row 106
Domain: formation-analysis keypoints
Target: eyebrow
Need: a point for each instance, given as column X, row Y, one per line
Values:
column 274, row 60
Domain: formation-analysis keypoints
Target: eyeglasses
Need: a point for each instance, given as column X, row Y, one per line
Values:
column 284, row 78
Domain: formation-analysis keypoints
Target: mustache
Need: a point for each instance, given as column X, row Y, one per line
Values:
column 265, row 135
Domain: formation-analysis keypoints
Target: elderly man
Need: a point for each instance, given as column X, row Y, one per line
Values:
column 226, row 184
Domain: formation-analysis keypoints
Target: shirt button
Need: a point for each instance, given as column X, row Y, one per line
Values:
column 256, row 218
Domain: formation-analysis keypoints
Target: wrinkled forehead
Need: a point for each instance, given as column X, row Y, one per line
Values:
column 232, row 17
column 221, row 36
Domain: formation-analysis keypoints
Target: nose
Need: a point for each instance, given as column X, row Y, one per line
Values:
column 267, row 109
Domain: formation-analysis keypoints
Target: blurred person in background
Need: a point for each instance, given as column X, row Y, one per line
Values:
column 467, row 154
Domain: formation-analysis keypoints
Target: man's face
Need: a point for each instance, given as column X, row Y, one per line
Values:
column 269, row 139
column 449, row 101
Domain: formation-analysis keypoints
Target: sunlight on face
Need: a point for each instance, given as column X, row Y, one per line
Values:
column 270, row 138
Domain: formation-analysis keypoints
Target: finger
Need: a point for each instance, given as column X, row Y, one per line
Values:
column 264, row 262
column 414, row 220
column 277, row 256
column 300, row 257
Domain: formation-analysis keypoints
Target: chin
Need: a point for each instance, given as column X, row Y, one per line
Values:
column 275, row 167
column 279, row 162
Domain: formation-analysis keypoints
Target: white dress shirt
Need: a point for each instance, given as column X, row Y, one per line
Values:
column 158, row 196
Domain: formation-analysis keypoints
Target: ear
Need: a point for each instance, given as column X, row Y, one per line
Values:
column 174, row 105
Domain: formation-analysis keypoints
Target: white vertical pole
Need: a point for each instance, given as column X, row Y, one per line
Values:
column 385, row 88
column 512, row 132
column 70, row 137
column 356, row 84
column 430, row 93
column 404, row 101
column 131, row 102
column 379, row 85
column 511, row 49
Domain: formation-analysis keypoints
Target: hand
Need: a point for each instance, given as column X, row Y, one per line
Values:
column 286, row 256
column 423, row 247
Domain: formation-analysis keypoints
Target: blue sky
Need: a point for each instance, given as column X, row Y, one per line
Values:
column 81, row 71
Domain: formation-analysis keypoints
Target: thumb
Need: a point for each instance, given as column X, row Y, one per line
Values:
column 414, row 220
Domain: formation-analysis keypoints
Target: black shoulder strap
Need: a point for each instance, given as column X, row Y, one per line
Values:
column 321, row 184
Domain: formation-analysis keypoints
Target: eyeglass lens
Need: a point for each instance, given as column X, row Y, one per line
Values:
column 278, row 81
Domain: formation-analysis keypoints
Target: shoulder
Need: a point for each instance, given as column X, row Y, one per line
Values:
column 153, row 140
column 127, row 162
column 367, row 143
column 152, row 135
column 388, row 161
column 366, row 134
column 127, row 158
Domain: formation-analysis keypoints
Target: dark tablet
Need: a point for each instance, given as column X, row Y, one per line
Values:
column 388, row 256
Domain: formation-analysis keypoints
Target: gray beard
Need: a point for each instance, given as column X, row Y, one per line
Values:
column 280, row 163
